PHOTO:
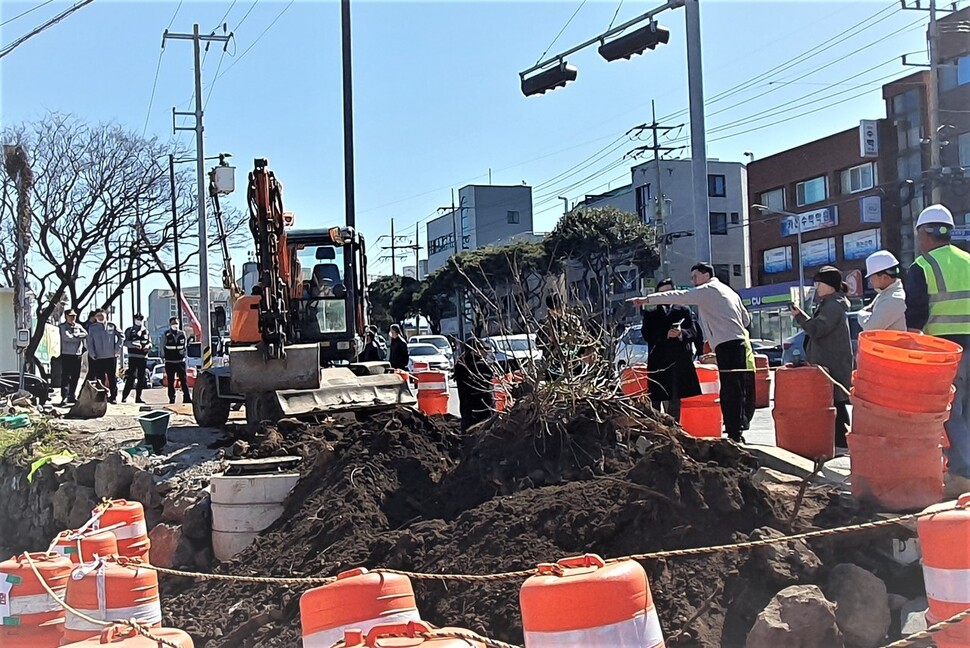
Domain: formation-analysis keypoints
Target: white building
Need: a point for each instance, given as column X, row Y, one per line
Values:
column 163, row 305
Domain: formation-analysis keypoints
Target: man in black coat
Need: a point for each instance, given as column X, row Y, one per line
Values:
column 398, row 353
column 670, row 335
column 473, row 380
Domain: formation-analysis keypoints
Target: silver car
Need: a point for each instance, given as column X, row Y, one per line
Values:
column 630, row 349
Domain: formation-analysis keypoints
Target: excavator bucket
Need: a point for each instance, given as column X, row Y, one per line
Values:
column 341, row 390
column 92, row 401
column 253, row 372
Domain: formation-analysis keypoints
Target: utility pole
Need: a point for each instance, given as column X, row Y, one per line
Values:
column 175, row 239
column 932, row 36
column 18, row 168
column 658, row 196
column 348, row 101
column 417, row 250
column 393, row 253
column 698, row 142
column 204, row 322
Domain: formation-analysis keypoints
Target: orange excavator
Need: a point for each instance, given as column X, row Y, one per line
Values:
column 294, row 341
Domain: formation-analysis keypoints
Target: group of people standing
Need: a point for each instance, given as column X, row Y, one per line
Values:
column 103, row 342
column 933, row 299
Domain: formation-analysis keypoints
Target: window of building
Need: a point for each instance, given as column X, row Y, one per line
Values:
column 774, row 199
column 716, row 187
column 955, row 72
column 859, row 178
column 512, row 217
column 735, row 218
column 811, row 191
column 963, row 144
column 736, row 269
column 719, row 223
column 643, row 203
column 723, row 272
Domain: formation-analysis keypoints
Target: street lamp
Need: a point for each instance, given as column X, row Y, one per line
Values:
column 798, row 233
column 565, row 204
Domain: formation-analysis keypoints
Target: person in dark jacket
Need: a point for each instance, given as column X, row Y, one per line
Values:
column 670, row 333
column 473, row 380
column 398, row 354
column 828, row 343
column 104, row 348
column 371, row 352
column 174, row 356
column 139, row 344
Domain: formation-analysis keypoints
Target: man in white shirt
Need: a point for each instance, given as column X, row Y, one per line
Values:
column 887, row 312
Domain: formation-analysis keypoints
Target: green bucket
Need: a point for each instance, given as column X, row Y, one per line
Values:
column 155, row 425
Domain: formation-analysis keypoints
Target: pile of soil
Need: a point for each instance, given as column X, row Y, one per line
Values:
column 398, row 490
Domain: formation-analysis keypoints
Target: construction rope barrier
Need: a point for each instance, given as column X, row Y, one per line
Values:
column 467, row 635
column 525, row 573
column 136, row 625
column 919, row 638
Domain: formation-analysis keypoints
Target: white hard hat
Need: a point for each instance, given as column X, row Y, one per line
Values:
column 880, row 262
column 935, row 215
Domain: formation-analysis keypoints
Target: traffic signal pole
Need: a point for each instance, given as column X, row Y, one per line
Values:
column 698, row 142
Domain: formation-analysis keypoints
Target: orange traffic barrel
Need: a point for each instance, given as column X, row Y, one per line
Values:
column 125, row 635
column 701, row 418
column 873, row 419
column 898, row 473
column 882, row 389
column 410, row 635
column 809, row 433
column 432, row 392
column 132, row 536
column 500, row 394
column 582, row 601
column 900, row 361
column 762, row 381
column 943, row 532
column 710, row 379
column 106, row 591
column 29, row 616
column 357, row 599
column 635, row 380
column 84, row 547
column 802, row 388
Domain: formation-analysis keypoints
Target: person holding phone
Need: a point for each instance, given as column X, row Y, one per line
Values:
column 670, row 335
column 828, row 342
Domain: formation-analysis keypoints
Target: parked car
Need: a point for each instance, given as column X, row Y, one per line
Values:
column 426, row 356
column 630, row 349
column 157, row 375
column 797, row 341
column 438, row 341
column 190, row 373
column 770, row 348
column 512, row 351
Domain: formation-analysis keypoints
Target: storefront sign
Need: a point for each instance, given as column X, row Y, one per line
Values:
column 855, row 282
column 870, row 209
column 868, row 138
column 810, row 221
column 859, row 245
column 778, row 259
column 818, row 253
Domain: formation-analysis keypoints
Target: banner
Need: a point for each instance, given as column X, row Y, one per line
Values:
column 778, row 259
column 818, row 253
column 859, row 245
column 870, row 209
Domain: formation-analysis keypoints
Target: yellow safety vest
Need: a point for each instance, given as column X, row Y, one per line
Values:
column 947, row 271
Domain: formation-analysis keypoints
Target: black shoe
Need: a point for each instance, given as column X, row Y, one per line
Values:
column 187, row 401
column 112, row 401
column 171, row 401
column 140, row 400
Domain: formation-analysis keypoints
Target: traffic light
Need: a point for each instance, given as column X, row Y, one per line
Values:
column 555, row 77
column 635, row 42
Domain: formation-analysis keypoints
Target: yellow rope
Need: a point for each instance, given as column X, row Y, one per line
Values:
column 467, row 635
column 918, row 638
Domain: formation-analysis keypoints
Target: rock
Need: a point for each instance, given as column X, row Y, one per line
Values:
column 62, row 504
column 204, row 559
column 770, row 476
column 786, row 563
column 144, row 490
column 112, row 477
column 863, row 604
column 912, row 615
column 84, row 473
column 896, row 602
column 169, row 547
column 238, row 449
column 197, row 523
column 797, row 617
column 175, row 506
column 83, row 507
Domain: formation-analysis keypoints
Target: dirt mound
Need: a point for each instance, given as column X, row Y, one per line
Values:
column 376, row 494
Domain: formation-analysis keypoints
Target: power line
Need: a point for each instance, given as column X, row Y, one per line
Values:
column 246, row 15
column 158, row 67
column 543, row 55
column 174, row 15
column 258, row 38
column 50, row 23
column 21, row 15
column 615, row 14
column 226, row 15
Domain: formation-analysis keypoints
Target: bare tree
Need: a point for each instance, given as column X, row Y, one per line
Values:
column 92, row 185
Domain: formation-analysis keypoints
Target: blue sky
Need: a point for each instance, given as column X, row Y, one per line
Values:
column 436, row 89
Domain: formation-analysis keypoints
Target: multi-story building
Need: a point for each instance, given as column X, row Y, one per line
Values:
column 484, row 215
column 163, row 305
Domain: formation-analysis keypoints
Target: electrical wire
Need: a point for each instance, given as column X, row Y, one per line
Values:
column 543, row 55
column 158, row 67
column 226, row 15
column 258, row 38
column 615, row 14
column 22, row 14
column 47, row 25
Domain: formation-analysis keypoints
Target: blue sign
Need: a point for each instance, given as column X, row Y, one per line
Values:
column 810, row 221
column 818, row 253
column 859, row 245
column 777, row 259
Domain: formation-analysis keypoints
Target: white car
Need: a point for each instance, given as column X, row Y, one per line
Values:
column 440, row 342
column 425, row 357
column 513, row 351
column 158, row 372
column 630, row 349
